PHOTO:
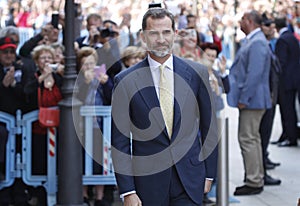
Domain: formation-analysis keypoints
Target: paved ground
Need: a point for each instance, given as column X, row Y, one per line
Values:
column 288, row 192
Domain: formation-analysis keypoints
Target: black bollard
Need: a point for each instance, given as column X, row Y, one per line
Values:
column 69, row 148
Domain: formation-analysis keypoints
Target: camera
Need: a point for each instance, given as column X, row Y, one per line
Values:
column 53, row 66
column 106, row 32
column 18, row 65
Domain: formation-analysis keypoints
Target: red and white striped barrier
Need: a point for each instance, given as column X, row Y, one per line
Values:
column 105, row 159
column 52, row 142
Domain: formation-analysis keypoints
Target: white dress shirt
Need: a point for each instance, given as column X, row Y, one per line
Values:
column 155, row 72
column 86, row 41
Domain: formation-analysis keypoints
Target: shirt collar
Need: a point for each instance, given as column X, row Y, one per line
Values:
column 154, row 64
column 284, row 29
column 252, row 33
column 86, row 42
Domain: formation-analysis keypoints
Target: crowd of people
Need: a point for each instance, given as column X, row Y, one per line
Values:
column 237, row 44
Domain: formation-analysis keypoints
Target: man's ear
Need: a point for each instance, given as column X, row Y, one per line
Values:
column 142, row 36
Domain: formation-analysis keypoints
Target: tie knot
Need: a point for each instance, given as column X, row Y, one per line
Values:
column 161, row 67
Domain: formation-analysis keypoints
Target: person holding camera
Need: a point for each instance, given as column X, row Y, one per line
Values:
column 48, row 80
column 48, row 77
column 93, row 22
column 48, row 35
column 102, row 38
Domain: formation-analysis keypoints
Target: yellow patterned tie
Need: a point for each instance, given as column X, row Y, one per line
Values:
column 166, row 99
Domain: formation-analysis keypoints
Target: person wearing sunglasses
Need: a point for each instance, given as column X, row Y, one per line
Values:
column 266, row 124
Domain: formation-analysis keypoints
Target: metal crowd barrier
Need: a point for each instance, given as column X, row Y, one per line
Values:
column 48, row 181
column 89, row 113
column 10, row 170
column 20, row 165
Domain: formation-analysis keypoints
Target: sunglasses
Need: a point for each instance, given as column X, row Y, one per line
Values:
column 8, row 51
column 267, row 24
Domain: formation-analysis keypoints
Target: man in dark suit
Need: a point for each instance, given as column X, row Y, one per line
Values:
column 288, row 52
column 172, row 157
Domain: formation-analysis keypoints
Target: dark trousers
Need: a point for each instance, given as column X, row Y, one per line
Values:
column 177, row 195
column 3, row 142
column 39, row 154
column 288, row 113
column 17, row 194
column 265, row 130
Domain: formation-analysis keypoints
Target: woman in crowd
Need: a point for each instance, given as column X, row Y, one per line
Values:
column 188, row 47
column 217, row 76
column 132, row 55
column 218, row 79
column 92, row 81
column 48, row 81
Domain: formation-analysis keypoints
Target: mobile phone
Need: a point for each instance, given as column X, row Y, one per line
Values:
column 100, row 70
column 54, row 19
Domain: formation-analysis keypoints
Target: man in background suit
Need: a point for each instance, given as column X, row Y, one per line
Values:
column 266, row 124
column 288, row 52
column 250, row 93
column 161, row 166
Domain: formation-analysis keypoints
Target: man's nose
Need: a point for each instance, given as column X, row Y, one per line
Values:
column 161, row 37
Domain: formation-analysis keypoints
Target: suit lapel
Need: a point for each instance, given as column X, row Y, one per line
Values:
column 145, row 87
column 144, row 79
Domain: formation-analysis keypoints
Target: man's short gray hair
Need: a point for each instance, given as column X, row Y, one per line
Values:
column 9, row 30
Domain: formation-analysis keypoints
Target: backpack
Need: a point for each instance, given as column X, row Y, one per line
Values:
column 275, row 72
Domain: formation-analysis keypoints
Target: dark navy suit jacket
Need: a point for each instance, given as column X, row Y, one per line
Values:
column 144, row 165
column 288, row 52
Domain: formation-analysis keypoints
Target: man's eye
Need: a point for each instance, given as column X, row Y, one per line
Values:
column 153, row 33
column 167, row 32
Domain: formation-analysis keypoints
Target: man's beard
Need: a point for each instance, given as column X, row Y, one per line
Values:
column 160, row 54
